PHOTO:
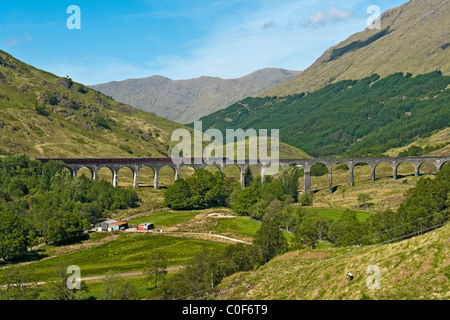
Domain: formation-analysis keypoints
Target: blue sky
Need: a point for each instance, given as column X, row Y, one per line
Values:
column 178, row 39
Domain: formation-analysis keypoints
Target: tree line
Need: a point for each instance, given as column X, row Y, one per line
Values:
column 43, row 201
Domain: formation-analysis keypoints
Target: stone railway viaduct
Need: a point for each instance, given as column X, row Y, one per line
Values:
column 135, row 164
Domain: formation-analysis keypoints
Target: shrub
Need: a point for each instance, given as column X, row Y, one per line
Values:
column 101, row 121
column 42, row 110
column 306, row 199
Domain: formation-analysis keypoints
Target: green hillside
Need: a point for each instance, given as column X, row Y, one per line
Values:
column 357, row 117
column 435, row 145
column 417, row 268
column 43, row 115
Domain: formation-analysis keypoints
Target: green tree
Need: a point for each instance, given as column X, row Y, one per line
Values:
column 126, row 291
column 306, row 233
column 239, row 257
column 177, row 196
column 248, row 176
column 346, row 231
column 13, row 235
column 208, row 189
column 272, row 210
column 306, row 199
column 200, row 184
column 56, row 288
column 116, row 289
column 156, row 266
column 245, row 200
column 49, row 170
column 269, row 241
column 199, row 277
column 290, row 178
column 382, row 225
column 310, row 230
column 220, row 190
column 17, row 187
column 364, row 198
column 64, row 228
column 110, row 285
column 427, row 203
column 258, row 209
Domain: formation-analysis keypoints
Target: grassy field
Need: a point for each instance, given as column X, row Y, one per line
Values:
column 336, row 214
column 74, row 121
column 144, row 288
column 123, row 253
column 222, row 221
column 165, row 219
column 239, row 225
column 417, row 268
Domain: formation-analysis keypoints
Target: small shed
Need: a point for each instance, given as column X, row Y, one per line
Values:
column 105, row 225
column 119, row 225
column 146, row 226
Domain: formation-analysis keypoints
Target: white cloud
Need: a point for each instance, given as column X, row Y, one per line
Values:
column 318, row 17
column 338, row 14
column 334, row 14
column 269, row 25
column 12, row 41
column 15, row 41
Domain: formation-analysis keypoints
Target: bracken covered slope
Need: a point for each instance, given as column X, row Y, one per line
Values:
column 416, row 268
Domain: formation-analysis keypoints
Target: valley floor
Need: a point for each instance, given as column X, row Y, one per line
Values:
column 412, row 269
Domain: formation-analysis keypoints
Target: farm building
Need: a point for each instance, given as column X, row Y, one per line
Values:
column 146, row 226
column 104, row 225
column 118, row 226
column 110, row 225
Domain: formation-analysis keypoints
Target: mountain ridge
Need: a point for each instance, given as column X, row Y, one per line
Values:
column 186, row 100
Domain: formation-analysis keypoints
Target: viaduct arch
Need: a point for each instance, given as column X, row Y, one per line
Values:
column 135, row 164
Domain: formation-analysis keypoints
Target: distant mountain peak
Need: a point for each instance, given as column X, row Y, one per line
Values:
column 188, row 100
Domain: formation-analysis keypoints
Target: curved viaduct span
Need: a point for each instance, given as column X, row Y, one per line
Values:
column 135, row 164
